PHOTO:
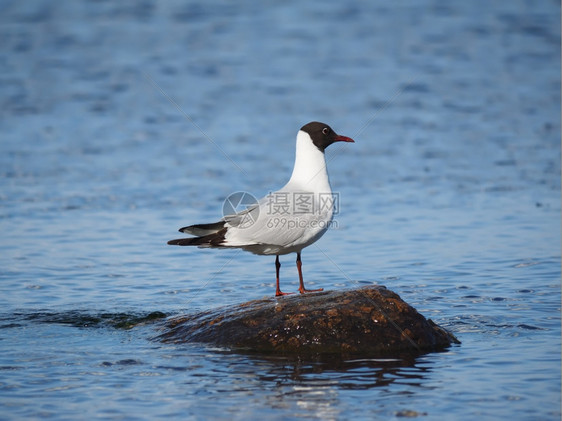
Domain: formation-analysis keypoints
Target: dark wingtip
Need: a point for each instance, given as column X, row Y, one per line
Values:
column 184, row 242
column 212, row 240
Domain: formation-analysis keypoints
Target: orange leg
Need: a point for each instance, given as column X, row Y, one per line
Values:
column 302, row 289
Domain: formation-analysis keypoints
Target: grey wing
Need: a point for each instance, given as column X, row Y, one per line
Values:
column 245, row 218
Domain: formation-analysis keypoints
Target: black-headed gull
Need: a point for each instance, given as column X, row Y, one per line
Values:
column 285, row 221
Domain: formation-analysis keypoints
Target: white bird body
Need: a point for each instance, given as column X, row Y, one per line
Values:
column 290, row 229
column 287, row 220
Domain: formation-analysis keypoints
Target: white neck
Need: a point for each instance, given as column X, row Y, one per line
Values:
column 310, row 172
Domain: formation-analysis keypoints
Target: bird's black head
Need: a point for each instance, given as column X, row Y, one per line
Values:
column 322, row 135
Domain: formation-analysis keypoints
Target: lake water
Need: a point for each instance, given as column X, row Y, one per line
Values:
column 121, row 124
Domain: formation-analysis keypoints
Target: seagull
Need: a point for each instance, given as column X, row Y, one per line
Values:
column 287, row 220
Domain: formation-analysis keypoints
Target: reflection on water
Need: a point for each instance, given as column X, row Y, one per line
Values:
column 354, row 374
column 316, row 388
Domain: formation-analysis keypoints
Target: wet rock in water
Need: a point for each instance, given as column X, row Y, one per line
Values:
column 371, row 320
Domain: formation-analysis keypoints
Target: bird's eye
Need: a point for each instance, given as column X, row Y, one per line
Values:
column 325, row 130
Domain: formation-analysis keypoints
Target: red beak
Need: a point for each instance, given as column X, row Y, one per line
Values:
column 344, row 139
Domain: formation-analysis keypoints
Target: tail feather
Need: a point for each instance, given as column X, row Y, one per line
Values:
column 212, row 240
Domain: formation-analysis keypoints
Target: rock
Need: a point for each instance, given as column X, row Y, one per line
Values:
column 370, row 321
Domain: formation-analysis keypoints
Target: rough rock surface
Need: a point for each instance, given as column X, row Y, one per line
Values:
column 371, row 320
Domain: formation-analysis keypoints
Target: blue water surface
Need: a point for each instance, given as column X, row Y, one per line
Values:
column 122, row 122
